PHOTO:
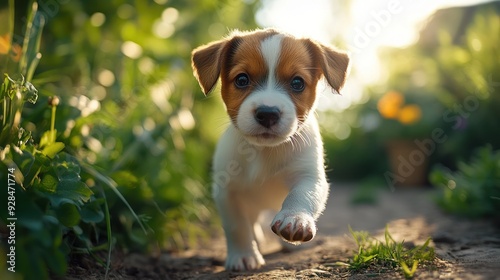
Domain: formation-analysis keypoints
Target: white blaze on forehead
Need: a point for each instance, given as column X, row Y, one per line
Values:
column 268, row 94
column 271, row 49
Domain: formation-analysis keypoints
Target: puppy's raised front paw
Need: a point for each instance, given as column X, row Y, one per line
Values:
column 294, row 227
column 244, row 261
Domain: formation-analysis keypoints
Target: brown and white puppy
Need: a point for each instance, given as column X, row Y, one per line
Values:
column 271, row 155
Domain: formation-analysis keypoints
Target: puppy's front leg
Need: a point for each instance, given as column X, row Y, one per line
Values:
column 238, row 218
column 295, row 223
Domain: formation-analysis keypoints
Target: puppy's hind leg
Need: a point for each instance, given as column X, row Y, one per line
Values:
column 238, row 221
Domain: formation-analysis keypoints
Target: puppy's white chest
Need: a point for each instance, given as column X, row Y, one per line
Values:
column 240, row 163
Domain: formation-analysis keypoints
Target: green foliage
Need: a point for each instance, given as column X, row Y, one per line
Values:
column 54, row 209
column 454, row 67
column 367, row 191
column 474, row 189
column 451, row 73
column 348, row 159
column 388, row 255
column 134, row 116
column 115, row 159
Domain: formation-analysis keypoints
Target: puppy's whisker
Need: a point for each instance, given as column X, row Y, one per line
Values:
column 221, row 127
column 222, row 123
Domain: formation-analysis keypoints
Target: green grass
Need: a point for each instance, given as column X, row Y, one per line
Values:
column 387, row 255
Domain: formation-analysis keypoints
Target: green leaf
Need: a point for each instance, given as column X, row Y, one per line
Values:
column 30, row 93
column 67, row 168
column 53, row 149
column 68, row 214
column 91, row 212
column 70, row 191
column 24, row 136
column 28, row 212
column 48, row 183
column 5, row 86
column 68, row 185
column 31, row 162
column 48, row 138
column 125, row 179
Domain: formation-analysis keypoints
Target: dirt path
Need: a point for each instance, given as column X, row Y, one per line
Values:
column 465, row 249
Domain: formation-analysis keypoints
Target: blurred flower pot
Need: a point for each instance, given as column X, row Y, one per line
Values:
column 408, row 163
column 408, row 120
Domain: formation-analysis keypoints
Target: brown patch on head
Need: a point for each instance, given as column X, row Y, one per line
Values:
column 207, row 60
column 334, row 64
column 296, row 60
column 309, row 60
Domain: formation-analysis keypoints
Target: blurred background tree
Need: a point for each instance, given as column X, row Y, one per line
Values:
column 449, row 77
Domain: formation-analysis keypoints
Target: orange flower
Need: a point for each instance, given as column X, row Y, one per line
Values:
column 4, row 43
column 390, row 104
column 409, row 114
column 5, row 47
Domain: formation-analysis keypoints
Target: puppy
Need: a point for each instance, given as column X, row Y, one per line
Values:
column 271, row 155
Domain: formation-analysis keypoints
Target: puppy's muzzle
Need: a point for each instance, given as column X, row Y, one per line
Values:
column 267, row 116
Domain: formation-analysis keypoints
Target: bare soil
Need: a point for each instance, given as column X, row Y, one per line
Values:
column 465, row 249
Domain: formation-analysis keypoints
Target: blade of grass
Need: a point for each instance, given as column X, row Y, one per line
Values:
column 355, row 235
column 23, row 62
column 112, row 184
column 34, row 63
column 12, row 16
column 108, row 232
column 409, row 273
column 36, row 48
column 388, row 254
column 5, row 89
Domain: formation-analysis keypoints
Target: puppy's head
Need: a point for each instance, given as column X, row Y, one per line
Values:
column 268, row 80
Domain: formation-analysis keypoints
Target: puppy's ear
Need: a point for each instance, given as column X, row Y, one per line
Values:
column 334, row 64
column 206, row 63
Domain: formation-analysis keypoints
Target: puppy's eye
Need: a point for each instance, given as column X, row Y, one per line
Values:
column 242, row 80
column 297, row 84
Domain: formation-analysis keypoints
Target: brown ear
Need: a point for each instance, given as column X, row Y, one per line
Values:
column 334, row 64
column 206, row 63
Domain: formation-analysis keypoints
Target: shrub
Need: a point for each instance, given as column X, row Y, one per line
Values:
column 50, row 210
column 474, row 189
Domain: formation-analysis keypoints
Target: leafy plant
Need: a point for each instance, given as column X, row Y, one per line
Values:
column 388, row 255
column 474, row 189
column 119, row 155
column 53, row 209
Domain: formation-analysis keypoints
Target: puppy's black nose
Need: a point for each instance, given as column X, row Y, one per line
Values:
column 267, row 116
